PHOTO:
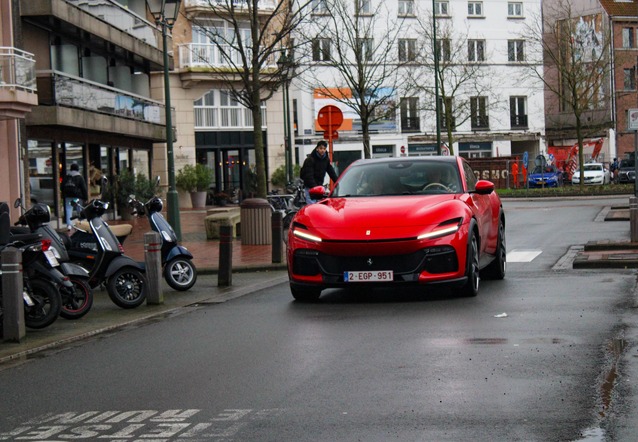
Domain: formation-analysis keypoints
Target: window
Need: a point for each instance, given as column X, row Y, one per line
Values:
column 406, row 7
column 478, row 113
column 362, row 6
column 475, row 9
column 476, row 50
column 515, row 50
column 514, row 9
column 628, row 37
column 319, row 6
column 518, row 112
column 629, row 79
column 442, row 9
column 407, row 49
column 321, row 49
column 365, row 49
column 217, row 109
column 409, row 114
column 443, row 49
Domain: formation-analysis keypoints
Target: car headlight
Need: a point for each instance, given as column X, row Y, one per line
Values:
column 303, row 234
column 443, row 229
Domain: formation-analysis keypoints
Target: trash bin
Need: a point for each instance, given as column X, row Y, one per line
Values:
column 255, row 221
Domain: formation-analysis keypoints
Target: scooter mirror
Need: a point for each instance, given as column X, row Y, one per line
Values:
column 157, row 180
column 17, row 203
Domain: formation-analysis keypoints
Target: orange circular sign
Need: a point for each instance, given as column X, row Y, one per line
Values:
column 330, row 118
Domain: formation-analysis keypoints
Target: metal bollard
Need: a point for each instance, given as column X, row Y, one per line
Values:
column 277, row 236
column 225, row 275
column 13, row 327
column 633, row 218
column 153, row 261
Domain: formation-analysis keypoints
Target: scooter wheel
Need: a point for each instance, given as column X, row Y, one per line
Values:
column 127, row 287
column 47, row 304
column 180, row 273
column 78, row 301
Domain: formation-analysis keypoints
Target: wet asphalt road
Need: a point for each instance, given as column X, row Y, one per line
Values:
column 529, row 359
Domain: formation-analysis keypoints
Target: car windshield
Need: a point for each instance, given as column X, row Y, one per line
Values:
column 398, row 178
column 593, row 167
column 546, row 169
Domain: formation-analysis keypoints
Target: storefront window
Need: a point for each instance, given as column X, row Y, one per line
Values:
column 41, row 179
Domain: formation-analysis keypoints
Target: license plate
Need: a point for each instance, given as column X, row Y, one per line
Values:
column 51, row 258
column 368, row 276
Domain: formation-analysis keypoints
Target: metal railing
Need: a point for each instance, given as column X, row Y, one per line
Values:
column 518, row 121
column 59, row 88
column 17, row 69
column 122, row 18
column 209, row 55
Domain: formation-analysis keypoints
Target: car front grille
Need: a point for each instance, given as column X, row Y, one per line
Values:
column 406, row 267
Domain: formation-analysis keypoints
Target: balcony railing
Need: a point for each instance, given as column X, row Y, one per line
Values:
column 480, row 122
column 122, row 18
column 206, row 55
column 17, row 69
column 266, row 5
column 410, row 124
column 518, row 121
column 58, row 88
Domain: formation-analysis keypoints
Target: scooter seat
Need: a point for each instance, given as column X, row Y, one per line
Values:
column 119, row 230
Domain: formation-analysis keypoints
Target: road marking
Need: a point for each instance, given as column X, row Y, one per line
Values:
column 522, row 255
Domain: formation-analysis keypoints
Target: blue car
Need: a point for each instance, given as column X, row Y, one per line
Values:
column 547, row 176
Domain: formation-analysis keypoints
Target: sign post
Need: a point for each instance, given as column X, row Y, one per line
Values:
column 632, row 124
column 329, row 119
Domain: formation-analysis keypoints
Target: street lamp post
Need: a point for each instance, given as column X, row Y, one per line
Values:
column 436, row 81
column 165, row 14
column 284, row 63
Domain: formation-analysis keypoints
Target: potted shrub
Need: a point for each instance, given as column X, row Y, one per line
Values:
column 196, row 180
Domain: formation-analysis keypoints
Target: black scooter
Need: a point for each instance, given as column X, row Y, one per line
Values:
column 42, row 303
column 77, row 299
column 123, row 277
column 179, row 271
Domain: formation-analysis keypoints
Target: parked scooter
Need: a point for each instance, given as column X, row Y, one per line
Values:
column 77, row 298
column 179, row 271
column 107, row 264
column 42, row 302
column 298, row 201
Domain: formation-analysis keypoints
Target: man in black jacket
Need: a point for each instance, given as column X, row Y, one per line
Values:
column 315, row 167
column 73, row 186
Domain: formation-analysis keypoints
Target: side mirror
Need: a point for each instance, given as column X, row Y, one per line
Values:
column 157, row 180
column 317, row 192
column 484, row 187
column 17, row 203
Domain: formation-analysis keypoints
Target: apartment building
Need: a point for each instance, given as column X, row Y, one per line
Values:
column 93, row 64
column 212, row 127
column 500, row 115
column 17, row 98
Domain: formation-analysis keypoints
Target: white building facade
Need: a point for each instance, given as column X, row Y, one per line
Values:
column 497, row 112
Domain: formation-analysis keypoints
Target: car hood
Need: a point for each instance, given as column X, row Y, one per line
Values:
column 545, row 175
column 370, row 218
column 591, row 173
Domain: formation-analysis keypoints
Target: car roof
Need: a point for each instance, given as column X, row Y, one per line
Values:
column 423, row 159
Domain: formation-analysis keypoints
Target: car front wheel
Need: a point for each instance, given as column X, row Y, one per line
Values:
column 471, row 287
column 305, row 294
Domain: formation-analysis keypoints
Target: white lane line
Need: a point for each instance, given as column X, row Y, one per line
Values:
column 522, row 255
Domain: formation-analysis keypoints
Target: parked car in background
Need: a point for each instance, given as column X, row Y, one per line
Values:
column 626, row 171
column 594, row 174
column 399, row 222
column 545, row 176
column 42, row 190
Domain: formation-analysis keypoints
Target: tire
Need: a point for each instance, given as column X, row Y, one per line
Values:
column 127, row 287
column 77, row 303
column 47, row 304
column 496, row 269
column 471, row 287
column 305, row 294
column 180, row 273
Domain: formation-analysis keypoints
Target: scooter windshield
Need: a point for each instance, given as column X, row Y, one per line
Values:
column 105, row 236
column 163, row 228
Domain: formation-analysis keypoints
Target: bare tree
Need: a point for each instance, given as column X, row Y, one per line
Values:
column 353, row 59
column 573, row 62
column 249, row 43
column 459, row 79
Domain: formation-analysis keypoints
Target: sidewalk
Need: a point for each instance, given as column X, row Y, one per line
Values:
column 252, row 270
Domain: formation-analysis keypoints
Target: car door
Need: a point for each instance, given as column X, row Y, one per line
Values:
column 481, row 207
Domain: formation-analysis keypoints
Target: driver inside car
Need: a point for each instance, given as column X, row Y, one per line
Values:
column 440, row 179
